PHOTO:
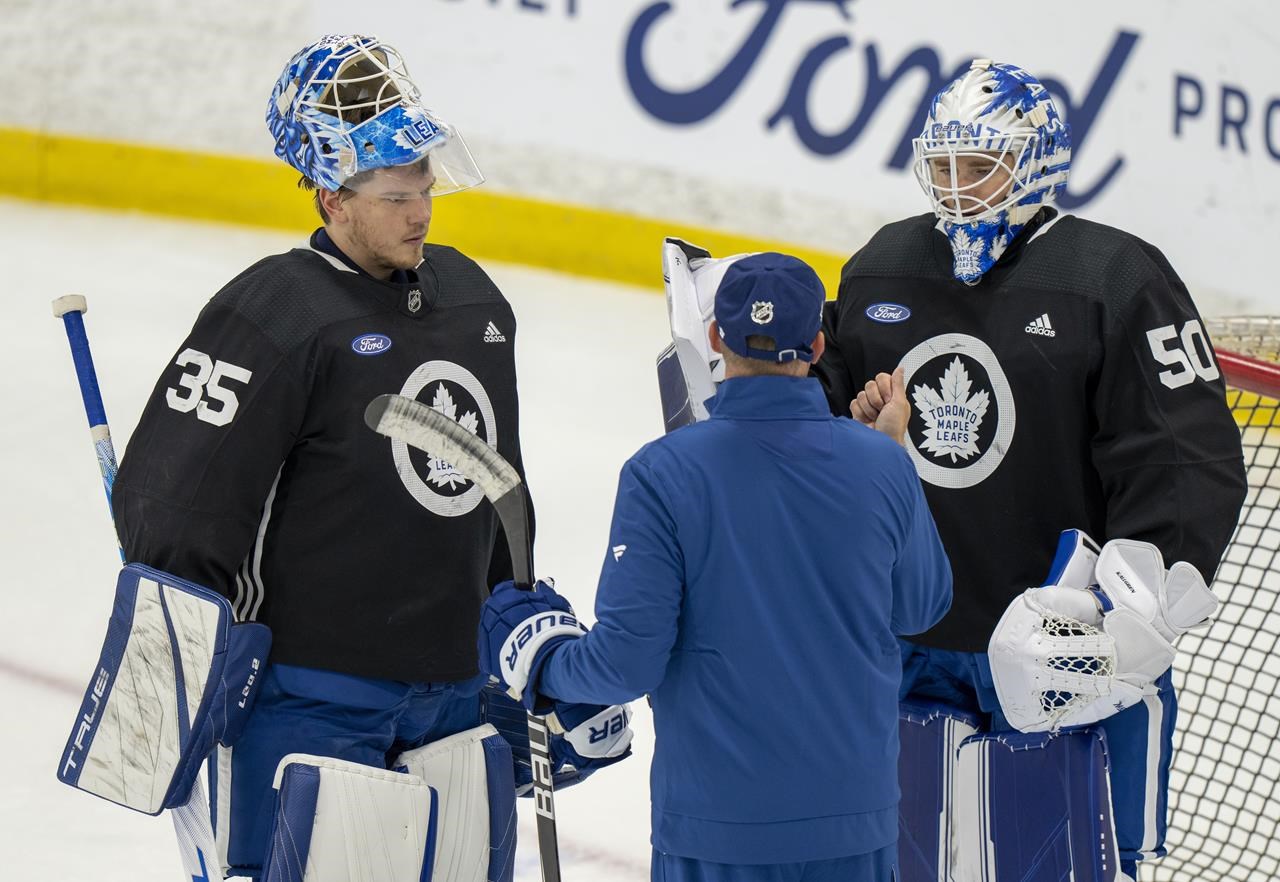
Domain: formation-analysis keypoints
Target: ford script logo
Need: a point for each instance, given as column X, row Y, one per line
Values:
column 888, row 313
column 370, row 344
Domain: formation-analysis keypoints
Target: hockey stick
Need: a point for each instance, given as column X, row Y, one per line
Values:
column 191, row 821
column 412, row 422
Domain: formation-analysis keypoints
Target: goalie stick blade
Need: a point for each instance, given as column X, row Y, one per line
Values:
column 412, row 422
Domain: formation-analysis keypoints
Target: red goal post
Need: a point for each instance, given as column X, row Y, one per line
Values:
column 1224, row 800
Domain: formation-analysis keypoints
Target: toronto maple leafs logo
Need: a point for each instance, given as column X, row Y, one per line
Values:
column 951, row 415
column 455, row 392
column 443, row 474
column 964, row 417
column 967, row 253
column 976, row 247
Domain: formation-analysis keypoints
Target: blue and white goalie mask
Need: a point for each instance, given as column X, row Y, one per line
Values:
column 993, row 152
column 346, row 105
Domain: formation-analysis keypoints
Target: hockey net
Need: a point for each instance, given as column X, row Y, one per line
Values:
column 1224, row 788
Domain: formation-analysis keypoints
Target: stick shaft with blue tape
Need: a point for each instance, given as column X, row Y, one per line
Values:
column 191, row 822
column 71, row 310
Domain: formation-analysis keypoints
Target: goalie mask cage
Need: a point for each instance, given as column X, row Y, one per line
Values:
column 1224, row 787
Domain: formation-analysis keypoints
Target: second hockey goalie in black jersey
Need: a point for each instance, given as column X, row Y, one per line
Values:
column 1059, row 376
column 1074, row 386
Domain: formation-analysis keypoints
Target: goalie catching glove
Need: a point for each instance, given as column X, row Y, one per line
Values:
column 1092, row 641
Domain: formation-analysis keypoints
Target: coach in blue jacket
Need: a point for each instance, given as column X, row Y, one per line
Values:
column 761, row 565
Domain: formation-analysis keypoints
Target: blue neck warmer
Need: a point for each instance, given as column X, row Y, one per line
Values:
column 976, row 247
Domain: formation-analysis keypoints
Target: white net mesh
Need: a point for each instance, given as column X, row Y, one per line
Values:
column 1057, row 703
column 1224, row 800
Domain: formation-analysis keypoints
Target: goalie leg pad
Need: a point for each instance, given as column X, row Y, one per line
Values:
column 1034, row 808
column 929, row 734
column 472, row 773
column 175, row 676
column 1140, row 744
column 338, row 821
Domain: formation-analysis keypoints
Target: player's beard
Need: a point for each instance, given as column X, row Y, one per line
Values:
column 390, row 250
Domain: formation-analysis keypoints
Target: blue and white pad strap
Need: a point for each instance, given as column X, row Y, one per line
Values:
column 174, row 676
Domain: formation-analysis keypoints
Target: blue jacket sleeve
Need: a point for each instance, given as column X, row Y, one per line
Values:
column 922, row 574
column 638, row 603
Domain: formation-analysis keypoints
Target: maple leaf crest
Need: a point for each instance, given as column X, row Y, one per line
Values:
column 951, row 415
column 998, row 245
column 968, row 255
column 441, row 473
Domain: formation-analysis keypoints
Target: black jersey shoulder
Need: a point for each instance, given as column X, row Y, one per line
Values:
column 902, row 248
column 460, row 279
column 291, row 296
column 1091, row 260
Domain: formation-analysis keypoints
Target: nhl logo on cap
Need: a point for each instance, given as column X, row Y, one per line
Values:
column 762, row 312
column 769, row 306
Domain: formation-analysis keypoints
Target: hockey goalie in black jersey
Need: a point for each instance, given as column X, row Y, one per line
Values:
column 1059, row 377
column 252, row 473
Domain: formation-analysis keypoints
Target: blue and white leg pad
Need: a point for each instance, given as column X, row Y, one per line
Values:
column 930, row 734
column 337, row 821
column 175, row 676
column 472, row 773
column 1033, row 807
column 447, row 811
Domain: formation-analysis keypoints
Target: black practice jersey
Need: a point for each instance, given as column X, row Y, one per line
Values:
column 252, row 470
column 1074, row 386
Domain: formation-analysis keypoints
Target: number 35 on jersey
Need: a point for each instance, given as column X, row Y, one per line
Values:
column 202, row 387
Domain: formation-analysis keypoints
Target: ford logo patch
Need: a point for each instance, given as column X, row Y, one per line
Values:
column 888, row 313
column 370, row 344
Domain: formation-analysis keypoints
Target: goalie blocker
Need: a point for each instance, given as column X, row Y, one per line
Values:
column 688, row 371
column 175, row 677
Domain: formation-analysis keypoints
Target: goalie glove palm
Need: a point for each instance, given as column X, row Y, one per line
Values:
column 1084, row 647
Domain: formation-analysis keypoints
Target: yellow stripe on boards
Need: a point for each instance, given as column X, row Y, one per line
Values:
column 482, row 223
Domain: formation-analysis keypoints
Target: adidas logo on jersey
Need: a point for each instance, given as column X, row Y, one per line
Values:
column 493, row 335
column 1042, row 327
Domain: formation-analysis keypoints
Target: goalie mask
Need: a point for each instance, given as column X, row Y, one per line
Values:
column 992, row 153
column 346, row 105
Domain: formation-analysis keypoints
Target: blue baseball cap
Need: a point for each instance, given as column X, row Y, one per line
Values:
column 772, row 295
